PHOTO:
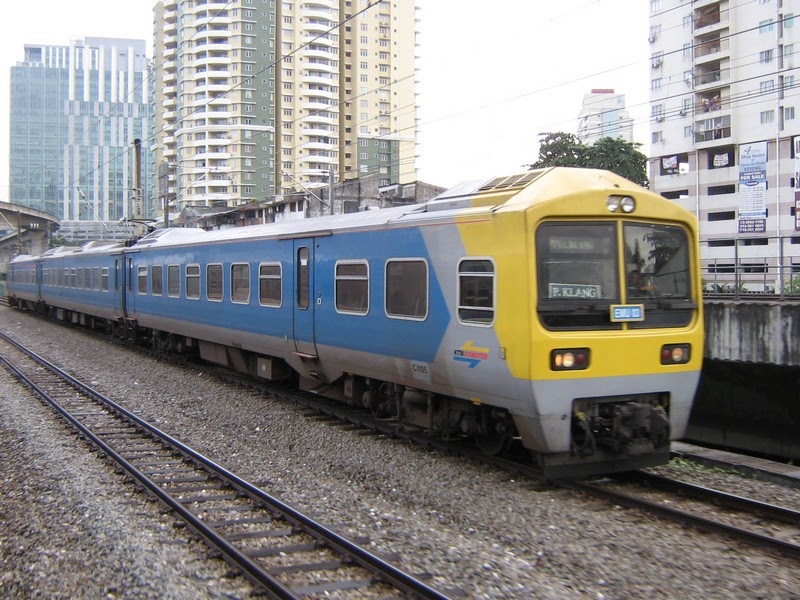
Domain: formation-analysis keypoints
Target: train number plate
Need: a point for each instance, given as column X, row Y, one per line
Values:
column 627, row 312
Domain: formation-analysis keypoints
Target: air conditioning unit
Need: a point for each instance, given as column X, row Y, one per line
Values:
column 660, row 118
column 656, row 64
column 682, row 113
column 651, row 39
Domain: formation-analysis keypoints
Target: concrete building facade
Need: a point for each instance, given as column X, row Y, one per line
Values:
column 725, row 132
column 603, row 114
column 255, row 99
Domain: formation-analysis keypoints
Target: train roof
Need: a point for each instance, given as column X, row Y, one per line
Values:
column 472, row 197
column 512, row 192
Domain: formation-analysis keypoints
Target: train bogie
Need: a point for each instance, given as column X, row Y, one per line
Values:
column 559, row 309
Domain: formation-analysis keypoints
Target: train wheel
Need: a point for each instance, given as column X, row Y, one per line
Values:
column 381, row 401
column 496, row 433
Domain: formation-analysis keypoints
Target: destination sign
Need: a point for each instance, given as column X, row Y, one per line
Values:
column 627, row 312
column 573, row 290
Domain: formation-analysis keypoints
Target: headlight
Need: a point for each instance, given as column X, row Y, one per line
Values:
column 625, row 203
column 569, row 359
column 628, row 204
column 675, row 354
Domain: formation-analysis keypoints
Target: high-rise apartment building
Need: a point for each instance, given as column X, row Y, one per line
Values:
column 258, row 98
column 76, row 112
column 603, row 114
column 724, row 123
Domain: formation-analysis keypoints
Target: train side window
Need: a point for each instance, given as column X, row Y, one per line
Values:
column 302, row 278
column 214, row 283
column 73, row 278
column 157, row 280
column 142, row 280
column 407, row 289
column 269, row 284
column 104, row 279
column 476, row 291
column 174, row 281
column 193, row 282
column 240, row 283
column 352, row 287
column 96, row 277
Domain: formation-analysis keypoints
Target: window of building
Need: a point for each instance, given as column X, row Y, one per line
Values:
column 157, row 280
column 788, row 113
column 142, row 280
column 407, row 289
column 675, row 194
column 765, row 56
column 656, row 137
column 269, row 284
column 193, row 282
column 767, row 116
column 240, row 283
column 352, row 287
column 718, row 190
column 655, row 84
column 214, row 285
column 766, row 26
column 766, row 86
column 174, row 281
column 476, row 291
column 726, row 215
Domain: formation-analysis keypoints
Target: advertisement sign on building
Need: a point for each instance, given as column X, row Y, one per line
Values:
column 753, row 187
column 796, row 148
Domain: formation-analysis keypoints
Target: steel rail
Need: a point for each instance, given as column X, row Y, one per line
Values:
column 358, row 555
column 701, row 523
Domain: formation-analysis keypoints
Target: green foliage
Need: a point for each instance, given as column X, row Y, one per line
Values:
column 792, row 287
column 561, row 149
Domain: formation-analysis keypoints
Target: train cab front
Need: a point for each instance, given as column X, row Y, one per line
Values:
column 619, row 321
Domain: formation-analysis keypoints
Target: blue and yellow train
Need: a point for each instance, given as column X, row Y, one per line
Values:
column 558, row 307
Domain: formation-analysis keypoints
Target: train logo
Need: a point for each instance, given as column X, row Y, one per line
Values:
column 471, row 354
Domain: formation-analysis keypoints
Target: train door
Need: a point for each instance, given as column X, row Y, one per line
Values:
column 304, row 299
column 125, row 284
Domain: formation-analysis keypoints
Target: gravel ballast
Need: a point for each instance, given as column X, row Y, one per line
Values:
column 70, row 526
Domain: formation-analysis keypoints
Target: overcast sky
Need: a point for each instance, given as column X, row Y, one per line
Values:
column 493, row 74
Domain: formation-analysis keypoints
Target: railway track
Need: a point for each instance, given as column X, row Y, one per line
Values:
column 749, row 521
column 283, row 552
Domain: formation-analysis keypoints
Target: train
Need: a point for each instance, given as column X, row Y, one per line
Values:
column 557, row 311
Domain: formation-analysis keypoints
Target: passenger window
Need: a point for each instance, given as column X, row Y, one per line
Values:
column 174, row 281
column 104, row 279
column 193, row 282
column 302, row 278
column 240, row 283
column 142, row 280
column 214, row 283
column 157, row 280
column 352, row 288
column 476, row 291
column 407, row 289
column 269, row 285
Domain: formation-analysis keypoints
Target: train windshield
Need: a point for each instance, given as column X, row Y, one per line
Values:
column 579, row 274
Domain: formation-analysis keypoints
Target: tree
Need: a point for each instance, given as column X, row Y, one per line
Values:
column 620, row 157
column 561, row 149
